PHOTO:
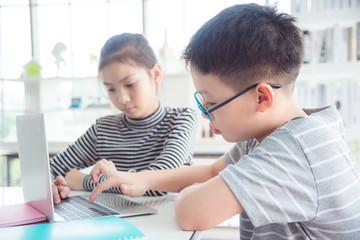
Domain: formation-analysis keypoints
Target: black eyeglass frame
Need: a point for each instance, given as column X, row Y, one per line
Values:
column 207, row 112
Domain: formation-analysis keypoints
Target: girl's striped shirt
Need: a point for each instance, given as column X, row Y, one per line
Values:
column 163, row 140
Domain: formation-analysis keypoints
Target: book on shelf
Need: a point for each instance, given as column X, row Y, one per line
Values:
column 336, row 44
column 358, row 41
column 104, row 228
column 315, row 6
column 19, row 214
column 352, row 43
column 343, row 93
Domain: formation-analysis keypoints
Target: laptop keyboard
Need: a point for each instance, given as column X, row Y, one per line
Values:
column 77, row 207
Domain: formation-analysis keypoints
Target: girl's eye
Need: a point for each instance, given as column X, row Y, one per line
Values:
column 111, row 90
column 129, row 85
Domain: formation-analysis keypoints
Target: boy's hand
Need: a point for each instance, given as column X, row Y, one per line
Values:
column 105, row 167
column 59, row 189
column 132, row 184
column 74, row 179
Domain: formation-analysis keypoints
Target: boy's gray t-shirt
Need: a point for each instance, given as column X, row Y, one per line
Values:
column 300, row 182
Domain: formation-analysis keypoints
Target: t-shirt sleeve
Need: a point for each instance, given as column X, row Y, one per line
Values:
column 274, row 183
column 238, row 150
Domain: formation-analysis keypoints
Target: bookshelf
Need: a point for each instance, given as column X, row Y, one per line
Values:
column 330, row 74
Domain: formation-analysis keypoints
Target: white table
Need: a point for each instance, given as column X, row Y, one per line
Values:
column 162, row 225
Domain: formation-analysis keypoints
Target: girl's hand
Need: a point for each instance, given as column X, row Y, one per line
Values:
column 60, row 189
column 132, row 184
column 74, row 179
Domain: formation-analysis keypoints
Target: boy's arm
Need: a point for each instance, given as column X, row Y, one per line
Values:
column 177, row 150
column 136, row 184
column 203, row 206
column 175, row 180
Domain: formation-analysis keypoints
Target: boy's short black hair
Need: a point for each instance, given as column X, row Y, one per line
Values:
column 245, row 43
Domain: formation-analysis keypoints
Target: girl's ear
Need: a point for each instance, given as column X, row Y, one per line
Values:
column 157, row 73
column 265, row 97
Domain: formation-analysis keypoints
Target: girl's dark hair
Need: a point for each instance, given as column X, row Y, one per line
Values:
column 245, row 43
column 127, row 47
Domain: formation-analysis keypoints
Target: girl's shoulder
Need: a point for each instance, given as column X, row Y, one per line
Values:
column 109, row 119
column 186, row 111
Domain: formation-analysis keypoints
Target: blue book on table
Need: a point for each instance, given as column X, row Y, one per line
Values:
column 104, row 228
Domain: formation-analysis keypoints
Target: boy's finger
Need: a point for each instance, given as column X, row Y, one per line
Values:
column 125, row 189
column 100, row 188
column 95, row 172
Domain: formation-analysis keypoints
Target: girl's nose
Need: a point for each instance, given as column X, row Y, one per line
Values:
column 123, row 97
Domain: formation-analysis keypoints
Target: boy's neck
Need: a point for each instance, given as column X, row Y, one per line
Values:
column 284, row 111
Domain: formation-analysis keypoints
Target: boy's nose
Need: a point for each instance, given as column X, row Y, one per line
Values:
column 204, row 116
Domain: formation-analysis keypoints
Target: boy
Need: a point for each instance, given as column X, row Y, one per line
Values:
column 291, row 174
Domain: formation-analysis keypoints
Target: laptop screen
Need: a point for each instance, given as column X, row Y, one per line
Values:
column 34, row 162
column 35, row 173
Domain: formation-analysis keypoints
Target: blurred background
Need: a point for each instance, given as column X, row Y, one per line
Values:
column 49, row 51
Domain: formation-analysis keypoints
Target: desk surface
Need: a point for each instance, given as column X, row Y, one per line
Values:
column 157, row 226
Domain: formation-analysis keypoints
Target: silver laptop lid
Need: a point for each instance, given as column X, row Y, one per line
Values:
column 34, row 163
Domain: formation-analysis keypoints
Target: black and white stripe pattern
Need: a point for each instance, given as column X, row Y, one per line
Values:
column 163, row 140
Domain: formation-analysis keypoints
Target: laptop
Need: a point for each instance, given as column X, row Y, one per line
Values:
column 36, row 181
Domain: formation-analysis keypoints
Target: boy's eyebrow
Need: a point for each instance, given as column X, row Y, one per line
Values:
column 202, row 92
column 207, row 94
column 121, row 80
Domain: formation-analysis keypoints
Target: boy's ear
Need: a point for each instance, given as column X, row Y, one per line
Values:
column 265, row 97
column 157, row 73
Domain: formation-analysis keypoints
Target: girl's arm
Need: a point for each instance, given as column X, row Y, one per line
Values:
column 79, row 155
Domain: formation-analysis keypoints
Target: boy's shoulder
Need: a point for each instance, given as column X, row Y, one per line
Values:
column 314, row 136
column 301, row 135
column 322, row 119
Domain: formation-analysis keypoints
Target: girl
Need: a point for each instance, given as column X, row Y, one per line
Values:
column 145, row 136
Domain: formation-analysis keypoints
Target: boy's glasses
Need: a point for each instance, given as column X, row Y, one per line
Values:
column 206, row 111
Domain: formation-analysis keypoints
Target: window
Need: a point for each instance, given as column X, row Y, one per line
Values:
column 15, row 38
column 65, row 37
column 71, row 33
